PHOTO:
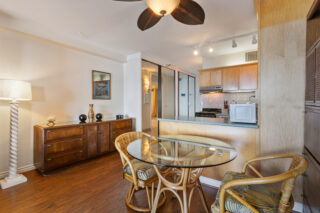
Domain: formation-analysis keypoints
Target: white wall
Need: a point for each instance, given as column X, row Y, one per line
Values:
column 61, row 85
column 225, row 60
column 133, row 88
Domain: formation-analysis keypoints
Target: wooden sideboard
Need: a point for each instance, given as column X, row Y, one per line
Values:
column 64, row 144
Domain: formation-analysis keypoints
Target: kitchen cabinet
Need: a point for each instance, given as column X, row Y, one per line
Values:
column 204, row 79
column 248, row 77
column 230, row 78
column 310, row 77
column 210, row 78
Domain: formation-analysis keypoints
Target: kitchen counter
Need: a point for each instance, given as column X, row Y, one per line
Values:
column 244, row 137
column 209, row 121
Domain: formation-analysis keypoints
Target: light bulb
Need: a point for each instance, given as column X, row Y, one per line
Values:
column 195, row 52
column 210, row 50
column 163, row 7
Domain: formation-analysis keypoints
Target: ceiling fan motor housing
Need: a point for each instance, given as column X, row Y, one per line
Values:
column 163, row 7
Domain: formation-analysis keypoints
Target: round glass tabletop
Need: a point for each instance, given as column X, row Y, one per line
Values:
column 182, row 151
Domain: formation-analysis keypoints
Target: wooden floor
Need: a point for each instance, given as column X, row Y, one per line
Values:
column 93, row 186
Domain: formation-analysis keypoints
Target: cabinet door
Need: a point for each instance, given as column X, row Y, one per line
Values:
column 249, row 77
column 230, row 79
column 310, row 77
column 204, row 79
column 215, row 78
column 317, row 75
column 104, row 137
column 311, row 184
column 92, row 140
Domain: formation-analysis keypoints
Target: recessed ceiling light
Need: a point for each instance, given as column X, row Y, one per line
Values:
column 195, row 52
column 210, row 50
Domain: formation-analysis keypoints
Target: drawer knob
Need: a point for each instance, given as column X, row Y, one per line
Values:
column 49, row 145
column 81, row 150
column 49, row 159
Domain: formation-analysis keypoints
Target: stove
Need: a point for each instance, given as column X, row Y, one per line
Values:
column 208, row 112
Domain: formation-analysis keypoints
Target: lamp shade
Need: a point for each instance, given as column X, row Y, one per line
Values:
column 15, row 90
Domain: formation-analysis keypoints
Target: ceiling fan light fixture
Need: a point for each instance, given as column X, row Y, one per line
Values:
column 163, row 7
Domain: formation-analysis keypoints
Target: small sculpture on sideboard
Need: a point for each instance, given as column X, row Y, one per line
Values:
column 99, row 117
column 51, row 120
column 82, row 118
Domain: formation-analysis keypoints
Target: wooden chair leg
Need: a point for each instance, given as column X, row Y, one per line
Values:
column 148, row 197
column 203, row 199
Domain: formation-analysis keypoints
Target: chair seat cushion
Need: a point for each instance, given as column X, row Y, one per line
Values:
column 143, row 170
column 265, row 198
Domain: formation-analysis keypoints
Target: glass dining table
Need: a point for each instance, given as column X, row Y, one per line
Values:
column 178, row 161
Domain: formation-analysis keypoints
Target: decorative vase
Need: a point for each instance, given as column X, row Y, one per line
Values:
column 82, row 118
column 91, row 113
column 99, row 117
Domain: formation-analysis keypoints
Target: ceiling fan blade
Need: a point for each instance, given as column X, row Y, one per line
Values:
column 147, row 19
column 189, row 12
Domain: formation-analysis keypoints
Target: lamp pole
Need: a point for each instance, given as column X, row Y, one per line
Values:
column 13, row 178
column 15, row 91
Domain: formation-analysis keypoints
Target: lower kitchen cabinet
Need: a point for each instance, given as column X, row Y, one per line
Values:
column 61, row 145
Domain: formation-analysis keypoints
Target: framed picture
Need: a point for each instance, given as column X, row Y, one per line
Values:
column 101, row 85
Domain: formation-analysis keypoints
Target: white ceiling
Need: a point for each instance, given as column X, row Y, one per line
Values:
column 110, row 26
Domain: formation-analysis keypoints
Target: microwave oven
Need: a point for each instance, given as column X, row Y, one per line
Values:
column 243, row 113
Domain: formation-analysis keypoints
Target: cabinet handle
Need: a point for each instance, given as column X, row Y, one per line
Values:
column 81, row 139
column 81, row 150
column 49, row 145
column 49, row 159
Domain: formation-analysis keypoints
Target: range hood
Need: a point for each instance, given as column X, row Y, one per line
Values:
column 205, row 90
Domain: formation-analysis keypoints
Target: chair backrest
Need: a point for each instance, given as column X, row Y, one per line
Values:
column 298, row 166
column 122, row 142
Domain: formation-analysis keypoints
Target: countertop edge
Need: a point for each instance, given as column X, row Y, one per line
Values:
column 252, row 126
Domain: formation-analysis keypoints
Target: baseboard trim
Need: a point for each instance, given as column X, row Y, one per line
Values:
column 298, row 207
column 20, row 170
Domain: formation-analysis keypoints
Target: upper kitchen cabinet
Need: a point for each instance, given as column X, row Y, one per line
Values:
column 248, row 77
column 210, row 78
column 240, row 78
column 230, row 78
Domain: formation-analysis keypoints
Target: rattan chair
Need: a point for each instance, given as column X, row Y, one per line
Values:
column 141, row 175
column 241, row 193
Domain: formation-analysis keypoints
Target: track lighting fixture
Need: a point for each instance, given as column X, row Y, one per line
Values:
column 254, row 39
column 234, row 44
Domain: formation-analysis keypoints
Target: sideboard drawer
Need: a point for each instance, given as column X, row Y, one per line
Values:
column 65, row 146
column 122, row 124
column 52, row 163
column 56, row 134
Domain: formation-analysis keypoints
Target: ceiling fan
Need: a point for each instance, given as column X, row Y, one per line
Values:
column 185, row 11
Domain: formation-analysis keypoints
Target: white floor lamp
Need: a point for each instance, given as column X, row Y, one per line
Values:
column 14, row 91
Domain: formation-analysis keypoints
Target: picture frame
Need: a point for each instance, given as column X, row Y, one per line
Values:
column 101, row 85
